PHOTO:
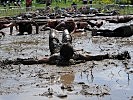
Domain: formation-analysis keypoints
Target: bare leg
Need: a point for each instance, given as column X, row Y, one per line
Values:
column 11, row 25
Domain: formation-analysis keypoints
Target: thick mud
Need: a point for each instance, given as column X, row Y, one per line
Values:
column 92, row 80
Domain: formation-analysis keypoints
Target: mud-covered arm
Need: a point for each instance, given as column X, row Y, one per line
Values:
column 37, row 27
column 28, row 61
column 61, row 26
column 120, row 56
column 90, row 57
column 52, row 60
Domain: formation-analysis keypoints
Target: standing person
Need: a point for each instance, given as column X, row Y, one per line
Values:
column 48, row 3
column 2, row 26
column 90, row 1
column 28, row 4
column 74, row 6
column 19, row 3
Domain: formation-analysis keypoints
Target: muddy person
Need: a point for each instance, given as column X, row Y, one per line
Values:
column 71, row 25
column 74, row 6
column 68, row 56
column 2, row 26
column 120, row 19
column 28, row 5
column 123, row 31
column 48, row 2
column 24, row 26
column 60, row 25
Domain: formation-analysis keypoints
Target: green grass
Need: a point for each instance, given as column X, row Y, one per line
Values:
column 6, row 11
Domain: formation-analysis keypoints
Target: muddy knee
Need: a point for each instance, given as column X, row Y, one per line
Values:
column 29, row 29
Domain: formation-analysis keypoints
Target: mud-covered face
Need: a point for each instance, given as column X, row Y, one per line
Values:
column 66, row 51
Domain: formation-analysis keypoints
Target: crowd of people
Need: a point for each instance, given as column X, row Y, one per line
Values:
column 16, row 3
column 9, row 2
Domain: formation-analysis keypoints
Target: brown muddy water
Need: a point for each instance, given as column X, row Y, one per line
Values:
column 92, row 80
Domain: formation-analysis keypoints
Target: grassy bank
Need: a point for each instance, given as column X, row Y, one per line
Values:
column 11, row 11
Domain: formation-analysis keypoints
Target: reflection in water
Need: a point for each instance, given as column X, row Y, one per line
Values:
column 89, row 73
column 127, row 68
column 67, row 79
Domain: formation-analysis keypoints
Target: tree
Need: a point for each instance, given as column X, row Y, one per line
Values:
column 131, row 2
column 107, row 1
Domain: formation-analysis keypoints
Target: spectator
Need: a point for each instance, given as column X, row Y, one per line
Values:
column 74, row 6
column 48, row 3
column 18, row 3
column 28, row 4
column 90, row 3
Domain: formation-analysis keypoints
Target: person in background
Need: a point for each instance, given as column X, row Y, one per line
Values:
column 74, row 6
column 17, row 3
column 28, row 4
column 90, row 1
column 48, row 3
column 122, row 31
column 85, row 2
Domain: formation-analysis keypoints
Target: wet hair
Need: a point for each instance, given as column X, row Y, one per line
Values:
column 66, row 51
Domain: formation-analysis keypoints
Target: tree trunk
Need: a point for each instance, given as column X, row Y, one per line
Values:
column 131, row 2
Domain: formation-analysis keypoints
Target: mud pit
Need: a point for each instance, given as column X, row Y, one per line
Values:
column 93, row 80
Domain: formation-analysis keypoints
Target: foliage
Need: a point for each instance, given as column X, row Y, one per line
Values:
column 107, row 1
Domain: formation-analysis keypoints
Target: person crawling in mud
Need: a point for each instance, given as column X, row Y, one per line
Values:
column 71, row 25
column 123, row 31
column 2, row 26
column 120, row 19
column 24, row 26
column 66, row 55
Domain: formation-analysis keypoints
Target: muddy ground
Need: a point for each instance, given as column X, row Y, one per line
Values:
column 92, row 80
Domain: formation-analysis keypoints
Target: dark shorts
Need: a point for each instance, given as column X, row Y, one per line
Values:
column 48, row 4
column 84, row 2
column 90, row 2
